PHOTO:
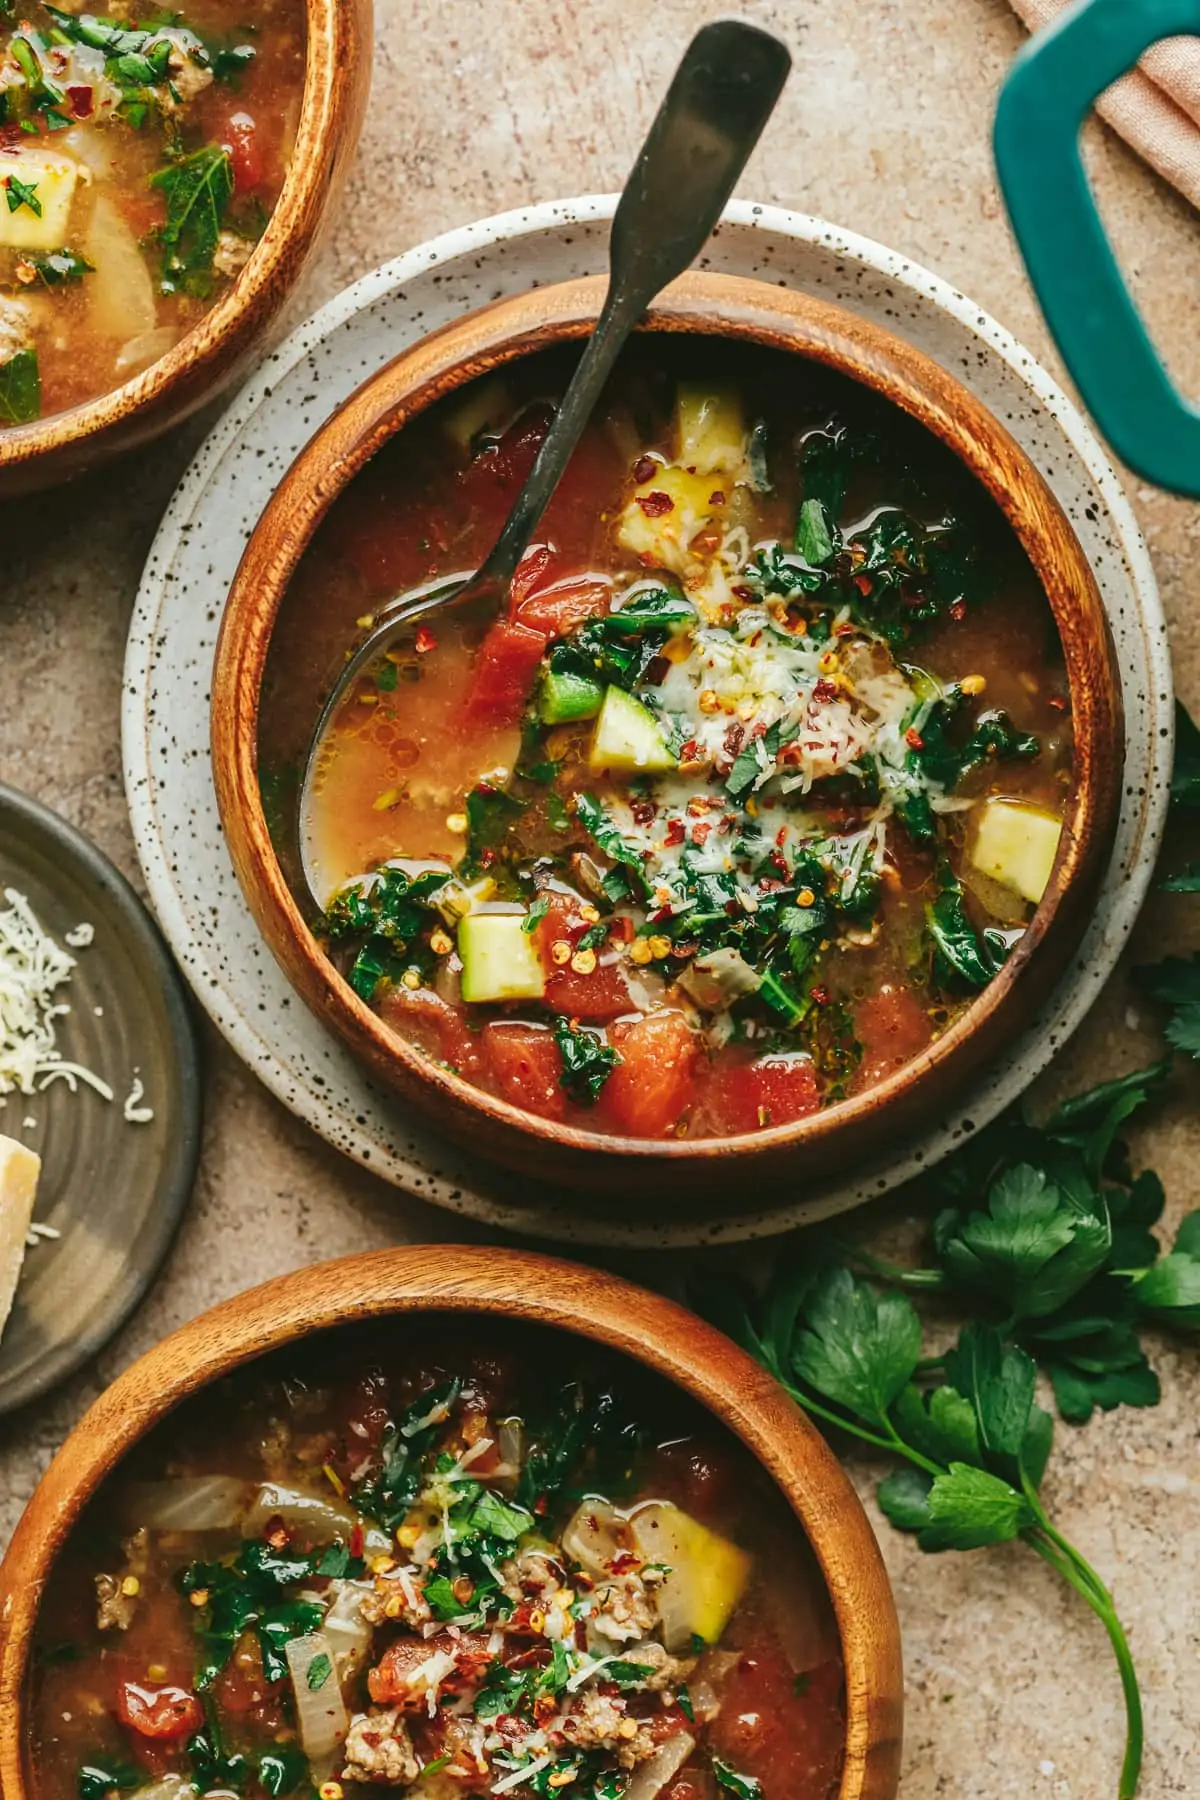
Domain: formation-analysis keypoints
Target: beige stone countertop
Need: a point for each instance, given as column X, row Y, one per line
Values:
column 482, row 105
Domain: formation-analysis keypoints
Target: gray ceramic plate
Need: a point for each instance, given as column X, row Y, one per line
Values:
column 114, row 1190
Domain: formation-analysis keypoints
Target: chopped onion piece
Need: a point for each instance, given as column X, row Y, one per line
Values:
column 121, row 301
column 653, row 1775
column 202, row 1503
column 319, row 1519
column 511, row 1441
column 321, row 1716
column 596, row 1535
column 346, row 1628
column 147, row 347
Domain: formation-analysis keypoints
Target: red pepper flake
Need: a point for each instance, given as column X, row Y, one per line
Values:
column 716, row 498
column 656, row 504
column 733, row 740
column 1058, row 702
column 690, row 751
column 643, row 470
column 913, row 738
column 623, row 1561
column 356, row 1540
column 863, row 583
column 845, row 629
column 425, row 640
column 675, row 833
column 742, row 592
column 701, row 830
column 643, row 812
column 779, row 861
column 958, row 611
column 825, row 690
column 276, row 1533
column 486, row 858
column 820, row 994
column 83, row 101
column 781, row 836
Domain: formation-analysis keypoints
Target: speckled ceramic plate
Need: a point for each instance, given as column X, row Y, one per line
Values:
column 112, row 1188
column 201, row 541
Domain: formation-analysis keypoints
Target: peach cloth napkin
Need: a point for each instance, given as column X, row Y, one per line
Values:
column 1156, row 107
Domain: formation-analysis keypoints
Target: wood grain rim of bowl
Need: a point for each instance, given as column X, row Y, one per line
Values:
column 339, row 46
column 706, row 1173
column 516, row 1285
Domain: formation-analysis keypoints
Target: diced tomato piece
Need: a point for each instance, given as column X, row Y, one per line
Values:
column 775, row 1090
column 596, row 998
column 504, row 670
column 532, row 573
column 892, row 1027
column 240, row 138
column 158, row 1712
column 431, row 1023
column 654, row 1082
column 558, row 609
column 368, row 1412
column 524, row 1063
column 783, row 1729
column 242, row 1691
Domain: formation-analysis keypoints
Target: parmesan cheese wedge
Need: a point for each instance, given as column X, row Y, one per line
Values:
column 19, row 1171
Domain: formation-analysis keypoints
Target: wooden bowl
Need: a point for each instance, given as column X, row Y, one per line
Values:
column 505, row 1284
column 712, row 1177
column 210, row 357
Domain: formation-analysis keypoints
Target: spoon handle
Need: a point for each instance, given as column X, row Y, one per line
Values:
column 723, row 93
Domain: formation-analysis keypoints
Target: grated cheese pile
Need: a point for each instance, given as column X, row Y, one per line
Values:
column 32, row 969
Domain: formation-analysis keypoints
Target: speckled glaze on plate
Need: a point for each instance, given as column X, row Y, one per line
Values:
column 168, row 670
column 113, row 1189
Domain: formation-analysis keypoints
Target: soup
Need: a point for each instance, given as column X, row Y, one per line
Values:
column 396, row 1559
column 139, row 164
column 754, row 788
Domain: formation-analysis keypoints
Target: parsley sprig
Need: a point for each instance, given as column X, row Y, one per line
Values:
column 972, row 1442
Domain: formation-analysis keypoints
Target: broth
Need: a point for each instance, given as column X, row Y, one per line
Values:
column 139, row 166
column 757, row 784
column 417, row 1558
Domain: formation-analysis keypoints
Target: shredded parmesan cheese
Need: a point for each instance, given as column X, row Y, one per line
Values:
column 32, row 968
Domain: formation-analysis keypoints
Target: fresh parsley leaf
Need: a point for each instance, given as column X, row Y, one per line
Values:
column 817, row 537
column 587, row 1060
column 969, row 1508
column 1186, row 882
column 319, row 1671
column 20, row 193
column 20, row 389
column 744, row 1787
column 857, row 1348
column 1185, row 777
column 281, row 1771
column 940, row 1422
column 1176, row 983
column 96, row 1780
column 57, row 267
column 1034, row 1248
column 999, row 1381
column 198, row 189
column 1170, row 1291
column 600, row 828
column 535, row 915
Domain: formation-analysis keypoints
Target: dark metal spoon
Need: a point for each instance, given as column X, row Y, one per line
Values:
column 722, row 95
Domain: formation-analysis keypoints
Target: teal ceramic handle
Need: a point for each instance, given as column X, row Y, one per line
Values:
column 1099, row 331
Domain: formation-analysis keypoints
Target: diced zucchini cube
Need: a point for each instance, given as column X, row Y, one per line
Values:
column 1016, row 843
column 666, row 513
column 628, row 738
column 499, row 958
column 712, row 431
column 563, row 697
column 50, row 178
